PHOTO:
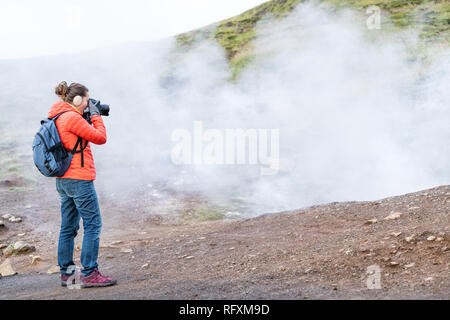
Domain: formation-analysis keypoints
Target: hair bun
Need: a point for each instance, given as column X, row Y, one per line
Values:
column 61, row 90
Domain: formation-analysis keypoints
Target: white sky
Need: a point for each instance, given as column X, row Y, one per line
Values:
column 33, row 28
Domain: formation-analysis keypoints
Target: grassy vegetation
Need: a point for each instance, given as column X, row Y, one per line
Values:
column 11, row 169
column 9, row 164
column 433, row 15
column 235, row 34
column 203, row 213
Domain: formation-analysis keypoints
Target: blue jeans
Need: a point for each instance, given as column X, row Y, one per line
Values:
column 78, row 199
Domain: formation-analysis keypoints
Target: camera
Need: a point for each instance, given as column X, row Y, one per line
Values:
column 103, row 108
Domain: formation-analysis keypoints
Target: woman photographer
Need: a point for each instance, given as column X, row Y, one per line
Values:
column 76, row 186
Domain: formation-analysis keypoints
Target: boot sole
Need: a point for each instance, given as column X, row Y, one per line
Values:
column 92, row 285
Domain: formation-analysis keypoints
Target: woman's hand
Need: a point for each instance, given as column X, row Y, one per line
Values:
column 93, row 108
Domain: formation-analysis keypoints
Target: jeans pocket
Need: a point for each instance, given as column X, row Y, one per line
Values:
column 72, row 188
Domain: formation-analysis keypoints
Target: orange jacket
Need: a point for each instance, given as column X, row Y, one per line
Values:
column 72, row 125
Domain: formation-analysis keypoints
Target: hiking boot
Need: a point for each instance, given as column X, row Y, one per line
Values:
column 96, row 279
column 65, row 277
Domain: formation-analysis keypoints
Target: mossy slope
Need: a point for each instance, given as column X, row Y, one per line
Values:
column 235, row 34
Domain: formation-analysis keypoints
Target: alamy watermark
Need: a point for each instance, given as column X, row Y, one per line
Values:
column 374, row 278
column 374, row 20
column 72, row 16
column 73, row 282
column 228, row 146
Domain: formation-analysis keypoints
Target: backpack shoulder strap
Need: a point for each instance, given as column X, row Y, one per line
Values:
column 55, row 117
column 74, row 150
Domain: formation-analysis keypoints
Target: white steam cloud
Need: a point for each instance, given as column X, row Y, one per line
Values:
column 358, row 118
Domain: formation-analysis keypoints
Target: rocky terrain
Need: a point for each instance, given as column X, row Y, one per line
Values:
column 321, row 251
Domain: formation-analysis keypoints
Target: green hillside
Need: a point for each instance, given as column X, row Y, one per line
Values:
column 235, row 34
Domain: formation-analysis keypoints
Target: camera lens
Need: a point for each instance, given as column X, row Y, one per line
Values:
column 104, row 109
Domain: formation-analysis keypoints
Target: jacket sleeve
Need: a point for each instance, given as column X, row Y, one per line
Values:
column 80, row 127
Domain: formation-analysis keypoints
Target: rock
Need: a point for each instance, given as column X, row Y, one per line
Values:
column 410, row 265
column 439, row 239
column 393, row 216
column 409, row 239
column 52, row 270
column 396, row 234
column 2, row 224
column 15, row 220
column 282, row 268
column 441, row 234
column 393, row 263
column 124, row 250
column 78, row 247
column 189, row 257
column 21, row 234
column 6, row 216
column 3, row 245
column 443, row 249
column 28, row 206
column 429, row 279
column 35, row 258
column 144, row 266
column 109, row 256
column 232, row 248
column 431, row 238
column 6, row 269
column 107, row 246
column 371, row 221
column 21, row 246
column 8, row 251
column 116, row 242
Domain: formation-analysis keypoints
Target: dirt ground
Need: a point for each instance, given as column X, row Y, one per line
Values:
column 318, row 252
